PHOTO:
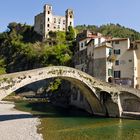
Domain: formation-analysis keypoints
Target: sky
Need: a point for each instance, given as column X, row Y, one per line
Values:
column 89, row 12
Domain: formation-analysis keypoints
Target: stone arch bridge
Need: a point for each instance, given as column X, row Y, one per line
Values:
column 103, row 98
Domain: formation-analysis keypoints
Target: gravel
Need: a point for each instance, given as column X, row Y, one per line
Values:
column 17, row 125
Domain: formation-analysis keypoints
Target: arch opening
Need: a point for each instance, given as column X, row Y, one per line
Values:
column 129, row 102
column 110, row 107
column 90, row 95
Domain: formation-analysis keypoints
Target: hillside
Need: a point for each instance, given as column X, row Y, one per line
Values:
column 21, row 48
column 114, row 30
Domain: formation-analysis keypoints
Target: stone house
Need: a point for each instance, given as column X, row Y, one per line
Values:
column 107, row 58
column 98, row 64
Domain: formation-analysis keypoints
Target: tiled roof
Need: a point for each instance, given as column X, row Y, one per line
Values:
column 137, row 41
column 117, row 39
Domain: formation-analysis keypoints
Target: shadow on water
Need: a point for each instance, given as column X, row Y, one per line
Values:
column 53, row 111
column 45, row 110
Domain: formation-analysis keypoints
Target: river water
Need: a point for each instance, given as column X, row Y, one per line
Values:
column 75, row 124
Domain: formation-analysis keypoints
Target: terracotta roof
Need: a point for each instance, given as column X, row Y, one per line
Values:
column 137, row 41
column 102, row 46
column 117, row 39
column 89, row 42
column 92, row 36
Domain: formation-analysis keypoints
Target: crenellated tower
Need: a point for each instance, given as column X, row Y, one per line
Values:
column 69, row 18
column 48, row 19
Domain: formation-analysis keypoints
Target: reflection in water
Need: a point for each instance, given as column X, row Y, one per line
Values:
column 120, row 129
column 85, row 127
column 74, row 124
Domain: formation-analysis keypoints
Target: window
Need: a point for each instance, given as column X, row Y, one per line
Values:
column 48, row 12
column 64, row 22
column 130, row 60
column 48, row 19
column 70, row 16
column 99, row 40
column 59, row 21
column 48, row 25
column 117, row 74
column 54, row 20
column 82, row 45
column 70, row 23
column 117, row 51
column 85, row 43
column 58, row 26
column 110, row 72
column 117, row 42
column 117, row 62
column 110, row 51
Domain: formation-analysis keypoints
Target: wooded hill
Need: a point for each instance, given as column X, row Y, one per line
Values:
column 113, row 30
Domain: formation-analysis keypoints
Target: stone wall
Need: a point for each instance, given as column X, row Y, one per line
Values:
column 99, row 68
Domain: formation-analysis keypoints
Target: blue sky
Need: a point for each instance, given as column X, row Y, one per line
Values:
column 90, row 12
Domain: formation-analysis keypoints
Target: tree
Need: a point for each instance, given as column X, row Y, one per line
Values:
column 70, row 34
column 2, row 66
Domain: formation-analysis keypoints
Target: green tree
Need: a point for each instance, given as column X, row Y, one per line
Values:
column 70, row 34
column 2, row 66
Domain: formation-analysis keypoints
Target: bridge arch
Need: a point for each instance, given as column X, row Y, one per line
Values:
column 129, row 102
column 12, row 82
column 92, row 88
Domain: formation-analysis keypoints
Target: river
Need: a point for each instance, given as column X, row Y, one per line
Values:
column 75, row 124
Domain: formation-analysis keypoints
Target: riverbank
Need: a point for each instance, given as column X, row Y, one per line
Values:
column 71, row 123
column 17, row 125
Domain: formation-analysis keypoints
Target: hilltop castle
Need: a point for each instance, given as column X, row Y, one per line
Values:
column 46, row 21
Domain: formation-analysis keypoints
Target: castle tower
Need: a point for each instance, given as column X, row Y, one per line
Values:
column 48, row 19
column 69, row 18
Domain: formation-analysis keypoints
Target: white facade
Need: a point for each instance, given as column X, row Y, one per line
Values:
column 99, row 67
column 97, row 42
column 46, row 21
column 123, row 65
column 136, row 49
column 122, row 61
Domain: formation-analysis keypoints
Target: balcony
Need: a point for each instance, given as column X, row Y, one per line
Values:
column 111, row 57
